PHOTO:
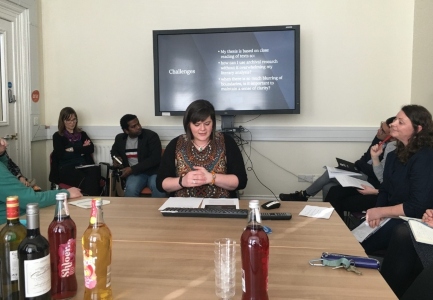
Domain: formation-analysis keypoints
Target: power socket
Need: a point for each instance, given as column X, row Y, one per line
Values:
column 306, row 178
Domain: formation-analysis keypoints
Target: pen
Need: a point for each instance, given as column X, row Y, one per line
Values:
column 385, row 140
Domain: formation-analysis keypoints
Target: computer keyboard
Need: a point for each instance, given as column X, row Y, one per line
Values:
column 205, row 212
column 220, row 213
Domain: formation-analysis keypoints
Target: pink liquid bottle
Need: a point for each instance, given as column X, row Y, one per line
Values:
column 62, row 234
column 255, row 257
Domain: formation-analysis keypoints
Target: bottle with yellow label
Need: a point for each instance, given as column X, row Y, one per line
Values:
column 96, row 243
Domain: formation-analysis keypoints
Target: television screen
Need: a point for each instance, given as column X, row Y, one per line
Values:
column 249, row 70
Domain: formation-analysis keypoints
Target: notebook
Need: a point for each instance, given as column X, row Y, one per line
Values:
column 346, row 165
column 421, row 232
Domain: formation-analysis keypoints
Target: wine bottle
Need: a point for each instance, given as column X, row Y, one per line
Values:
column 62, row 234
column 34, row 260
column 11, row 236
column 255, row 256
column 96, row 243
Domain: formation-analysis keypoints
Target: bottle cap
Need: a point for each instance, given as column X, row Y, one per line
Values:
column 61, row 196
column 98, row 202
column 254, row 204
column 32, row 209
column 12, row 207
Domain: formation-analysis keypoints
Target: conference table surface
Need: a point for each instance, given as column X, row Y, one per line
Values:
column 171, row 258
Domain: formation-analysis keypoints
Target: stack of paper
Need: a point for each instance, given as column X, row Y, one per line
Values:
column 317, row 212
column 191, row 202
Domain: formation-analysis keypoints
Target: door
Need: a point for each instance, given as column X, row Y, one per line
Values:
column 8, row 113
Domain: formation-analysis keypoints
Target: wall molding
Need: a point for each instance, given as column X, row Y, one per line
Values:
column 258, row 133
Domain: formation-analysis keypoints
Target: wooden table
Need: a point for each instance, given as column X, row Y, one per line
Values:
column 171, row 258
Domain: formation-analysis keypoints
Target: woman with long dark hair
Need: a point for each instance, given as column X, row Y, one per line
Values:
column 407, row 188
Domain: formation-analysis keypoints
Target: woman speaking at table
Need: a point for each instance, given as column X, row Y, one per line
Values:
column 408, row 175
column 201, row 162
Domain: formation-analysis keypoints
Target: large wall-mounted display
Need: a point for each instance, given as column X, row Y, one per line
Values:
column 249, row 70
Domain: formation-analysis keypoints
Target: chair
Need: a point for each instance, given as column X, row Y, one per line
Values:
column 353, row 219
column 54, row 177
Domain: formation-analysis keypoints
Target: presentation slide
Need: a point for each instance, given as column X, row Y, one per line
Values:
column 233, row 70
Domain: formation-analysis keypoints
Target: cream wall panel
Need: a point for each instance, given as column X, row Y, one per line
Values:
column 356, row 55
column 422, row 76
column 356, row 70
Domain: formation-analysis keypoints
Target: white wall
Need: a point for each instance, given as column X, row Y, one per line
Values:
column 356, row 67
column 422, row 75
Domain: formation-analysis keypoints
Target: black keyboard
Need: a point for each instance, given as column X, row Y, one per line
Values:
column 220, row 213
column 205, row 212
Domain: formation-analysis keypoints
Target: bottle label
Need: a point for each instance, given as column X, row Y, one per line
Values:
column 13, row 262
column 66, row 254
column 37, row 276
column 89, row 269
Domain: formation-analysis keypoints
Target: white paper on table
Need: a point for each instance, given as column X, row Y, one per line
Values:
column 86, row 203
column 220, row 202
column 345, row 181
column 317, row 212
column 334, row 171
column 187, row 202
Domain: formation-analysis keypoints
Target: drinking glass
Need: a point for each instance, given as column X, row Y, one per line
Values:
column 225, row 268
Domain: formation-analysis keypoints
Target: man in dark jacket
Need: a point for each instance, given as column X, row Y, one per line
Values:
column 137, row 152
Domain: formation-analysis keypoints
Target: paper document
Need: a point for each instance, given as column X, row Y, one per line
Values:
column 409, row 218
column 86, row 203
column 86, row 166
column 363, row 231
column 422, row 232
column 187, row 202
column 317, row 212
column 345, row 181
column 334, row 171
column 220, row 202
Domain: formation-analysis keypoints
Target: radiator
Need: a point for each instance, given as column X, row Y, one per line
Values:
column 102, row 153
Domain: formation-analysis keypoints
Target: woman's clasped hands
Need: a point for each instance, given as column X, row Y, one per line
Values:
column 197, row 177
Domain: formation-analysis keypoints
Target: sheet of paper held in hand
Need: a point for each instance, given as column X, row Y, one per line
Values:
column 363, row 231
column 345, row 181
column 334, row 171
column 317, row 212
column 86, row 203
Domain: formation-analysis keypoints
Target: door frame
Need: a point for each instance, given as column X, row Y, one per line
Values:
column 21, row 77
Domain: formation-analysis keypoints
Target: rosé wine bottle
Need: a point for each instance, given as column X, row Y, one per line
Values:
column 62, row 234
column 255, row 256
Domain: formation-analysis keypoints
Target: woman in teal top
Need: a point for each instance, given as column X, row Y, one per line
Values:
column 11, row 186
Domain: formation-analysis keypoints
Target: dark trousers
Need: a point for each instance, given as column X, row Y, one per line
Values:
column 86, row 179
column 401, row 265
column 349, row 199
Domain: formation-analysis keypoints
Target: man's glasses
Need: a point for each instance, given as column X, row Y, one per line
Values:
column 382, row 131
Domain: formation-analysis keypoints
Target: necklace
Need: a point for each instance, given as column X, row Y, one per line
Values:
column 201, row 148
